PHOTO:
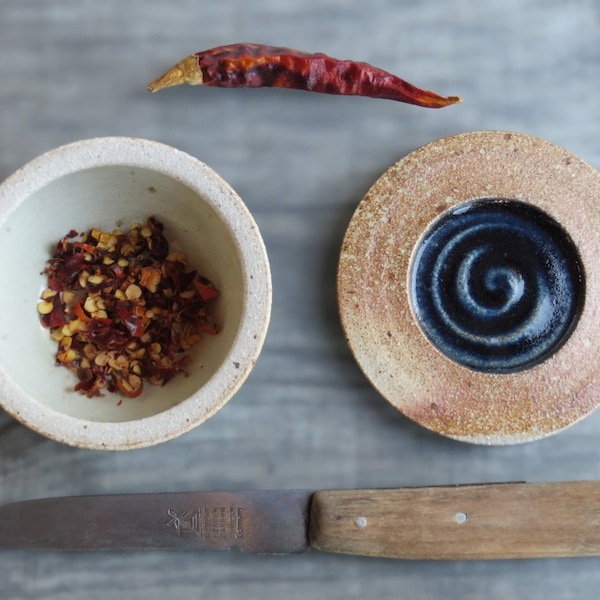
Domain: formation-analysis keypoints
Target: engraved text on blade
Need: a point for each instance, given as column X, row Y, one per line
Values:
column 224, row 522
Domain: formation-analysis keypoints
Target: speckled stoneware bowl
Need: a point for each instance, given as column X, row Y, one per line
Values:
column 469, row 287
column 104, row 183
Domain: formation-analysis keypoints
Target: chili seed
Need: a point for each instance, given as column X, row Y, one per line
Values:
column 45, row 308
column 96, row 279
column 133, row 292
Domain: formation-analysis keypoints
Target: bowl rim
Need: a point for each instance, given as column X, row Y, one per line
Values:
column 191, row 172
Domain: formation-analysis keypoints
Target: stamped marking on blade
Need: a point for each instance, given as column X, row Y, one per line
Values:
column 223, row 522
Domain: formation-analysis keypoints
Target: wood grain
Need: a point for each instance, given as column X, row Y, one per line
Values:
column 494, row 521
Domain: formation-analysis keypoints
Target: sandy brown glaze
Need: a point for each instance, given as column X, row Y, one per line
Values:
column 376, row 314
column 256, row 65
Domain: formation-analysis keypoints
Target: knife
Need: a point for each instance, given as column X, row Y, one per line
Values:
column 484, row 521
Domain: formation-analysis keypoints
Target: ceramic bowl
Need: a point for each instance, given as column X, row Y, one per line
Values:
column 106, row 183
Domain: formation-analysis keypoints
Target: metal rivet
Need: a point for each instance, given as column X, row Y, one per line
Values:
column 460, row 518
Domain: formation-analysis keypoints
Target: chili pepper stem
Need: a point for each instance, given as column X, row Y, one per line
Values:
column 185, row 71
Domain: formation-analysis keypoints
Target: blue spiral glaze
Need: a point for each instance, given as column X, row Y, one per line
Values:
column 496, row 285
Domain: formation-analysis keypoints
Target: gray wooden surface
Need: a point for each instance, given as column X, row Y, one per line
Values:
column 306, row 417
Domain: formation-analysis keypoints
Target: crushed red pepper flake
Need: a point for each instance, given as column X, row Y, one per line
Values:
column 124, row 309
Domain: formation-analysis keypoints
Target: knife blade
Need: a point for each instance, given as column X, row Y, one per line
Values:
column 479, row 521
column 270, row 522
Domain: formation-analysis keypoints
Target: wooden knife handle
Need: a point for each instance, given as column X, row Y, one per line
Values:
column 490, row 521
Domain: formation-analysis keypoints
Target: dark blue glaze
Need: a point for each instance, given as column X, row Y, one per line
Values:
column 497, row 285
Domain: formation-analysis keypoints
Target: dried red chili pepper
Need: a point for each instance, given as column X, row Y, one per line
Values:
column 255, row 65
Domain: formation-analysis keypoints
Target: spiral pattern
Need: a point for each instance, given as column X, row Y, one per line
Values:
column 496, row 285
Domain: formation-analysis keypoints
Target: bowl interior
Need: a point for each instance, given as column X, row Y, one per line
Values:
column 109, row 197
